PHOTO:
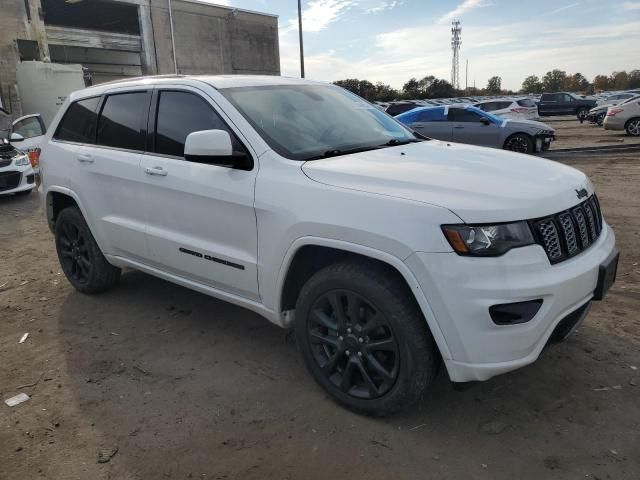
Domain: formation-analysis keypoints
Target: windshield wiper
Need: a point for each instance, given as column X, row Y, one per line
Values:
column 337, row 152
column 394, row 141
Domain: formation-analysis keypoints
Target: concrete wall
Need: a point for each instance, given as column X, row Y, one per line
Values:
column 214, row 40
column 16, row 23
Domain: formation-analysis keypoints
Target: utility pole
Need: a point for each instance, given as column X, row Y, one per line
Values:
column 456, row 41
column 300, row 32
column 466, row 76
column 173, row 41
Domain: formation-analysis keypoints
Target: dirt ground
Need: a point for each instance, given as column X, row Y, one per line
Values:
column 185, row 386
column 570, row 133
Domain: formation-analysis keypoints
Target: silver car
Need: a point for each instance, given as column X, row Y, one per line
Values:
column 467, row 124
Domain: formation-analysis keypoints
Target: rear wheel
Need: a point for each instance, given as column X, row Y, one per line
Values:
column 600, row 118
column 519, row 142
column 364, row 339
column 633, row 127
column 80, row 257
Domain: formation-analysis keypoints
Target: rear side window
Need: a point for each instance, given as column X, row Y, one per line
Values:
column 526, row 102
column 502, row 105
column 433, row 115
column 181, row 113
column 79, row 122
column 122, row 122
column 548, row 97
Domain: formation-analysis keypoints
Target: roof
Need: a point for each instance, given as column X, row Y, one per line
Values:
column 216, row 81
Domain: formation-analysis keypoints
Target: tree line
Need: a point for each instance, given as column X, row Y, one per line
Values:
column 432, row 87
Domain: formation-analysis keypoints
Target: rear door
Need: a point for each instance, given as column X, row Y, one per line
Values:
column 433, row 123
column 200, row 215
column 468, row 128
column 107, row 176
column 548, row 104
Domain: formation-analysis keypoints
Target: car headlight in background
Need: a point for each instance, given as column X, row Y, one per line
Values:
column 488, row 240
column 22, row 160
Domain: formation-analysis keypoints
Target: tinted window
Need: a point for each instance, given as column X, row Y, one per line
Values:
column 525, row 102
column 79, row 122
column 181, row 113
column 548, row 97
column 566, row 98
column 123, row 120
column 487, row 107
column 433, row 115
column 29, row 127
column 502, row 105
column 462, row 115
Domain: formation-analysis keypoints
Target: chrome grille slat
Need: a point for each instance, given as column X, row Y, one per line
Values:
column 569, row 232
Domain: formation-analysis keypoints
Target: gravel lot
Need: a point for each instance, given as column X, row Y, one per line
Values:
column 185, row 386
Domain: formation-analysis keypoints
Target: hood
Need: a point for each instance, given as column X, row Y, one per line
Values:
column 531, row 124
column 477, row 184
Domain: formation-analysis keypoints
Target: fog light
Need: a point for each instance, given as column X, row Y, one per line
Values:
column 514, row 313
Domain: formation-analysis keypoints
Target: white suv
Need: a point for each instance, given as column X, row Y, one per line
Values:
column 389, row 253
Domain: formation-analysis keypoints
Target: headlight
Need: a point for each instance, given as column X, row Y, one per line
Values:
column 488, row 240
column 21, row 160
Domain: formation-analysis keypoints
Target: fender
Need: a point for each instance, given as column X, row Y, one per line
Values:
column 385, row 257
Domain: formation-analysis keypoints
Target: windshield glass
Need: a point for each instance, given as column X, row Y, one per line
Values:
column 303, row 122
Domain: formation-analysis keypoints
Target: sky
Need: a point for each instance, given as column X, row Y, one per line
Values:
column 394, row 40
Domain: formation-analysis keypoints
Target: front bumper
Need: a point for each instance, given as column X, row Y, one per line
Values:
column 543, row 142
column 16, row 179
column 460, row 291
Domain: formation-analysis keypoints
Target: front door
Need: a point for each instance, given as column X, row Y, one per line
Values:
column 201, row 223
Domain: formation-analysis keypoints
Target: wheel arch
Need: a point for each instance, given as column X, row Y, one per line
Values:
column 308, row 255
column 519, row 132
column 626, row 124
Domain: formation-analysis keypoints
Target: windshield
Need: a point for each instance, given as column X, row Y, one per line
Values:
column 304, row 122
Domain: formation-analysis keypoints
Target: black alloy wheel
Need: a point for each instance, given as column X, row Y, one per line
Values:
column 74, row 253
column 353, row 344
column 520, row 143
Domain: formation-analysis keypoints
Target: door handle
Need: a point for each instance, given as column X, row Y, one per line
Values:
column 82, row 158
column 155, row 171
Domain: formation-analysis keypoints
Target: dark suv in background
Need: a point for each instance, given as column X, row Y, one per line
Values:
column 564, row 103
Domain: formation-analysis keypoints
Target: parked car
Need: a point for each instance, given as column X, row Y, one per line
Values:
column 615, row 99
column 471, row 125
column 387, row 253
column 564, row 103
column 16, row 173
column 27, row 134
column 625, row 116
column 520, row 109
column 398, row 107
column 598, row 114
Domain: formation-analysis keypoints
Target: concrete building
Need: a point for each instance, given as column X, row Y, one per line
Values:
column 113, row 39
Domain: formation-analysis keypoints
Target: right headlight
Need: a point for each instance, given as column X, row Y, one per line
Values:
column 21, row 160
column 488, row 240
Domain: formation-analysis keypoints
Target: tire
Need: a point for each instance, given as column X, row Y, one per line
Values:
column 519, row 142
column 396, row 352
column 80, row 257
column 600, row 119
column 632, row 127
column 582, row 113
column 23, row 193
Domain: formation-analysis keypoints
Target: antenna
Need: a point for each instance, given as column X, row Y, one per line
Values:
column 456, row 41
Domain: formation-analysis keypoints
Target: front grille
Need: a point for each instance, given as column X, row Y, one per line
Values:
column 9, row 180
column 569, row 232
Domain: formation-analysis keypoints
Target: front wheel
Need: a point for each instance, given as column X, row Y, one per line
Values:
column 582, row 113
column 364, row 339
column 633, row 127
column 600, row 118
column 519, row 142
column 80, row 257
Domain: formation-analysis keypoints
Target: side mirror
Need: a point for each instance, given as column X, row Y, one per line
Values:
column 16, row 137
column 485, row 121
column 214, row 147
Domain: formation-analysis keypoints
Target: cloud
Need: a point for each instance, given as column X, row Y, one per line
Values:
column 319, row 14
column 561, row 9
column 631, row 6
column 463, row 8
column 384, row 5
column 511, row 51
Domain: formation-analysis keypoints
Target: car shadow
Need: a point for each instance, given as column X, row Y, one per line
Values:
column 185, row 384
